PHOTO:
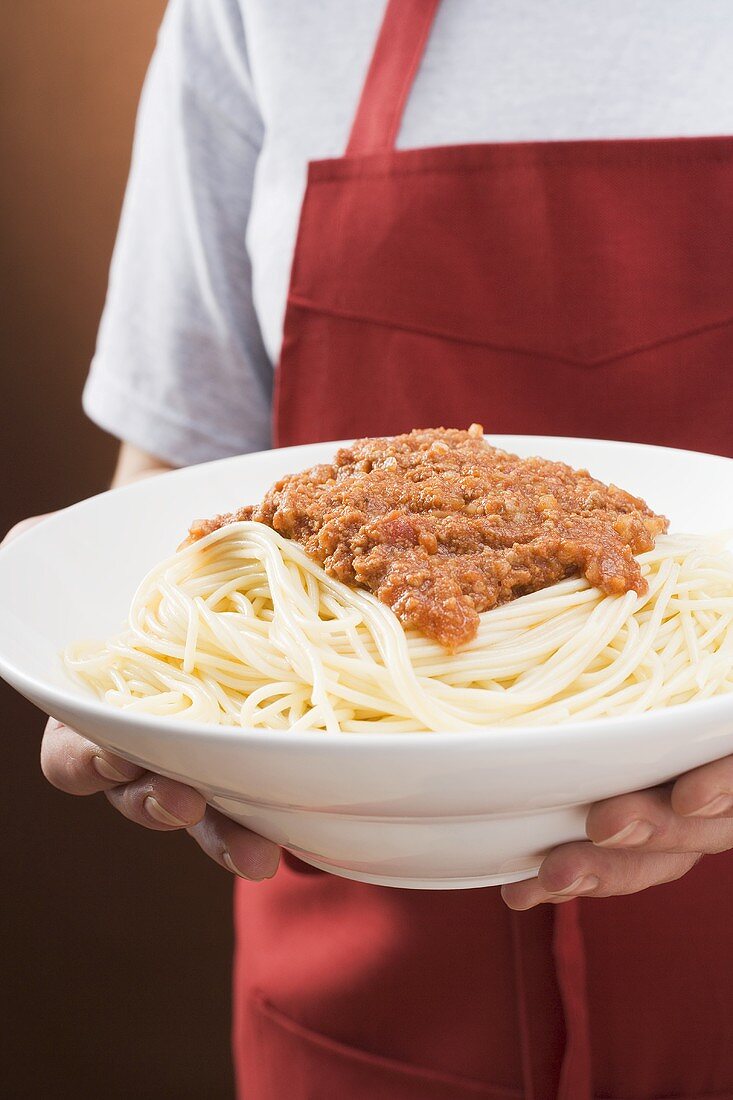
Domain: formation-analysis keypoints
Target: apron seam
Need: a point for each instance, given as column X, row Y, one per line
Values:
column 304, row 303
column 522, row 1007
column 531, row 155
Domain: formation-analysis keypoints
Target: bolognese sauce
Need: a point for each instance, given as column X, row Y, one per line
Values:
column 442, row 526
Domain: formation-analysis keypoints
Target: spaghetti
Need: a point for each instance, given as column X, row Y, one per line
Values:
column 242, row 628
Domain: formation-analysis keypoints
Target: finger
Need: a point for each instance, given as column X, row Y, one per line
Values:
column 158, row 803
column 583, row 870
column 706, row 791
column 78, row 766
column 646, row 822
column 237, row 849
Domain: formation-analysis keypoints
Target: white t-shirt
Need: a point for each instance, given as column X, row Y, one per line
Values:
column 242, row 93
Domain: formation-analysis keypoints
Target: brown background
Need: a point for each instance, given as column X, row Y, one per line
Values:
column 115, row 942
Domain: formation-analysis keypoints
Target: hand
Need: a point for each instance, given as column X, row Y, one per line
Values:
column 78, row 766
column 638, row 840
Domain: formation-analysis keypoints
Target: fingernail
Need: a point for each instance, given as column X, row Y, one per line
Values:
column 231, row 865
column 722, row 804
column 160, row 814
column 584, row 884
column 631, row 836
column 108, row 771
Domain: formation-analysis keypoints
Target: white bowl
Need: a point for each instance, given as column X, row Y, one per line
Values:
column 427, row 811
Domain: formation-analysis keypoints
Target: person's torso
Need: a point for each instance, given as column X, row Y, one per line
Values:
column 543, row 286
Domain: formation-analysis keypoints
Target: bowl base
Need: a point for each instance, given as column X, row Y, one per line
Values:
column 471, row 883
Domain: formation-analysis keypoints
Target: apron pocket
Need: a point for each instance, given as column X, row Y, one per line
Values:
column 579, row 253
column 294, row 1061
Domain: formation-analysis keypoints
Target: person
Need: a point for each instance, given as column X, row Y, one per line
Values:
column 516, row 213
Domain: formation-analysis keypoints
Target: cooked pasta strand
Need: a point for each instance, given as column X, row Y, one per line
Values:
column 243, row 629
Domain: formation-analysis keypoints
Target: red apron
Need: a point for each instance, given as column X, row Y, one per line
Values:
column 568, row 288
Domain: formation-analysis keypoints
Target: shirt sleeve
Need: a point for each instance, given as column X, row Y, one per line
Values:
column 180, row 368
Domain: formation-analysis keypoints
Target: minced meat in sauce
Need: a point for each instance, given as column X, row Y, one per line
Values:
column 442, row 526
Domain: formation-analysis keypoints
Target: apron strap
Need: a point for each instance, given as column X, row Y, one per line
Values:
column 397, row 55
